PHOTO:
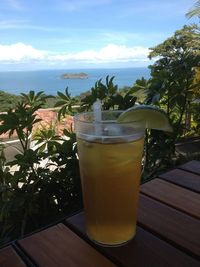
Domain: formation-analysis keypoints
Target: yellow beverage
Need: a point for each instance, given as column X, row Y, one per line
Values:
column 110, row 174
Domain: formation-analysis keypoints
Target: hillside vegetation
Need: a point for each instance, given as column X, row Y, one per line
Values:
column 8, row 100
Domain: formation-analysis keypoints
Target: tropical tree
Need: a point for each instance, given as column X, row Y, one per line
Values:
column 174, row 86
column 195, row 11
column 174, row 74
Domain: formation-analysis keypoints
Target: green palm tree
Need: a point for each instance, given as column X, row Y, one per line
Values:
column 195, row 11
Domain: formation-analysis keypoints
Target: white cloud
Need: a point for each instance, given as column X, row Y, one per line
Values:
column 23, row 53
column 123, row 53
column 20, row 52
column 109, row 53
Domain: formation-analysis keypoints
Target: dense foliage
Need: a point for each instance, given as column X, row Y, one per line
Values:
column 35, row 194
column 7, row 101
column 175, row 86
column 42, row 184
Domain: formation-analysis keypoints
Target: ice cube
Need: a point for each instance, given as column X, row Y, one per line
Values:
column 112, row 130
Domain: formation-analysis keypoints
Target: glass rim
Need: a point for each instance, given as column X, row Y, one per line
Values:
column 78, row 120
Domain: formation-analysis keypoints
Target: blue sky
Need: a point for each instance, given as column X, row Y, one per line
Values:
column 43, row 34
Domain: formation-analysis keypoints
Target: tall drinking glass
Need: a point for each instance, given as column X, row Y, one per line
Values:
column 110, row 156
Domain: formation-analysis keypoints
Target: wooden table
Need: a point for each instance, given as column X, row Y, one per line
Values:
column 168, row 232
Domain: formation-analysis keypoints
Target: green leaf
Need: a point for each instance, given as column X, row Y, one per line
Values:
column 60, row 103
column 62, row 96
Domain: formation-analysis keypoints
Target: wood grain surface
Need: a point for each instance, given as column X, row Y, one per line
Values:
column 192, row 166
column 144, row 250
column 183, row 178
column 9, row 258
column 175, row 226
column 173, row 195
column 58, row 246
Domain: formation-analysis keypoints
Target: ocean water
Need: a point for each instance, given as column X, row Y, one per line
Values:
column 50, row 81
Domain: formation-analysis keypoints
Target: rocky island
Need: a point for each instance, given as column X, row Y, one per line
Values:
column 80, row 75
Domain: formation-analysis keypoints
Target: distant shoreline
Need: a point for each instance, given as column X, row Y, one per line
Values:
column 80, row 75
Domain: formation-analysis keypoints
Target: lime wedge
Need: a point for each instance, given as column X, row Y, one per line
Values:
column 150, row 117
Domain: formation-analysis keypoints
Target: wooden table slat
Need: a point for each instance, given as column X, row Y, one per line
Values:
column 193, row 166
column 173, row 195
column 183, row 178
column 58, row 246
column 144, row 250
column 9, row 258
column 172, row 225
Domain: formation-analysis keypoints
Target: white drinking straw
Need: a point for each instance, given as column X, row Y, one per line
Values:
column 97, row 116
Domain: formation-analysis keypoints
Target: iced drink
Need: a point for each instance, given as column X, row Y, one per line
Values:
column 110, row 164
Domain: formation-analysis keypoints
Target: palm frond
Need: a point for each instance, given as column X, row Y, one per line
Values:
column 195, row 11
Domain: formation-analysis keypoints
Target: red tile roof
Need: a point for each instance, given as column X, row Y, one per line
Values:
column 48, row 119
